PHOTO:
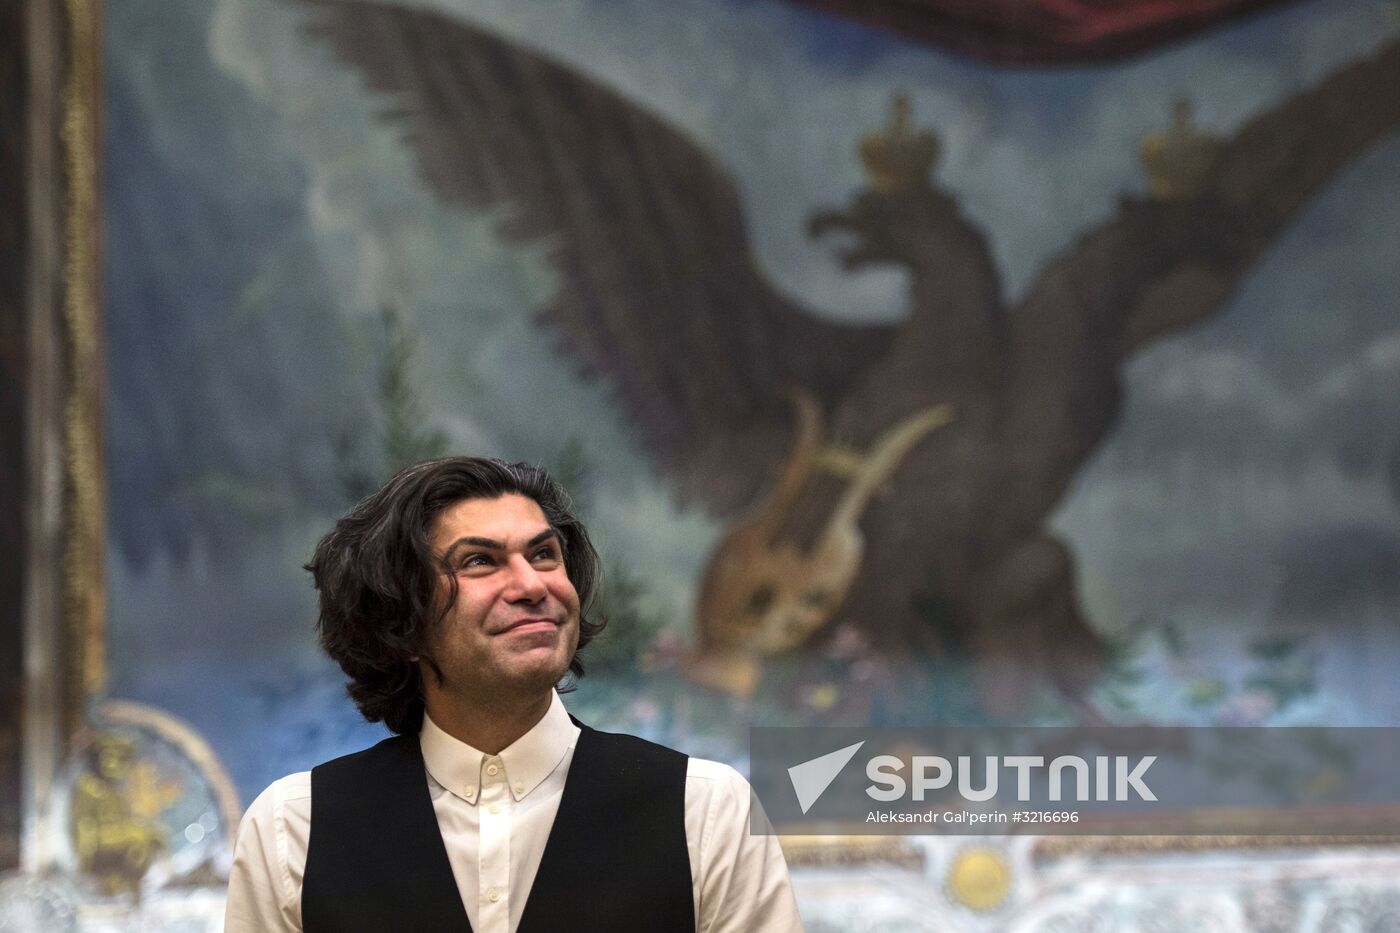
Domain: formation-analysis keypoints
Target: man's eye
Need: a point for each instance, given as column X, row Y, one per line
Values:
column 475, row 560
column 546, row 553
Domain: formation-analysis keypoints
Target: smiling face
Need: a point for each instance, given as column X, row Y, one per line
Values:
column 514, row 626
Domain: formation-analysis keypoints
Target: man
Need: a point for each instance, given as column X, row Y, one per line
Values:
column 456, row 598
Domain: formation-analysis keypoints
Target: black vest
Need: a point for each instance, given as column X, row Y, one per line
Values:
column 615, row 860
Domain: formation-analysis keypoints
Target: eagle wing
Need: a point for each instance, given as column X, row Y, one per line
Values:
column 657, row 290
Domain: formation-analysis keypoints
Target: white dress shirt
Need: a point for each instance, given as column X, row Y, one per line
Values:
column 495, row 813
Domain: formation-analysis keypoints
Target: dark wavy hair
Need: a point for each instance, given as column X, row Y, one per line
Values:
column 377, row 576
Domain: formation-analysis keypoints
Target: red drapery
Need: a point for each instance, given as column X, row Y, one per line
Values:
column 1042, row 32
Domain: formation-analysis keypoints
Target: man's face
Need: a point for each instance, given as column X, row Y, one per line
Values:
column 515, row 623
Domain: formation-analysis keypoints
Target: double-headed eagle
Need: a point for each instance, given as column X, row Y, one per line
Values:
column 781, row 421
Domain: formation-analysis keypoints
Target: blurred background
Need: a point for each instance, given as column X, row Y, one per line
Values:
column 911, row 362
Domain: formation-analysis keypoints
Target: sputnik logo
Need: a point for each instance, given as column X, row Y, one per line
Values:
column 811, row 778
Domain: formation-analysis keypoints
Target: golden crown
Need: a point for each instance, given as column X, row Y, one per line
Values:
column 1179, row 160
column 898, row 158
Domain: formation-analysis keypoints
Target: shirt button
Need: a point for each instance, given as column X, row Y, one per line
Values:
column 520, row 788
column 493, row 895
column 468, row 791
column 495, row 808
column 492, row 769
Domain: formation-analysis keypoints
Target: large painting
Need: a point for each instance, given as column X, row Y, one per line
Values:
column 907, row 371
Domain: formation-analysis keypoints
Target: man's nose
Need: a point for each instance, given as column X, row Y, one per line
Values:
column 526, row 584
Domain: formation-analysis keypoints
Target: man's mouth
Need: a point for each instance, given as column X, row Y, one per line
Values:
column 530, row 625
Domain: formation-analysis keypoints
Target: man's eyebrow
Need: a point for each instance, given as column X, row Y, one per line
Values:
column 542, row 537
column 472, row 541
column 494, row 545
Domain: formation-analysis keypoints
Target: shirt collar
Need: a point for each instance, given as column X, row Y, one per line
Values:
column 527, row 761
